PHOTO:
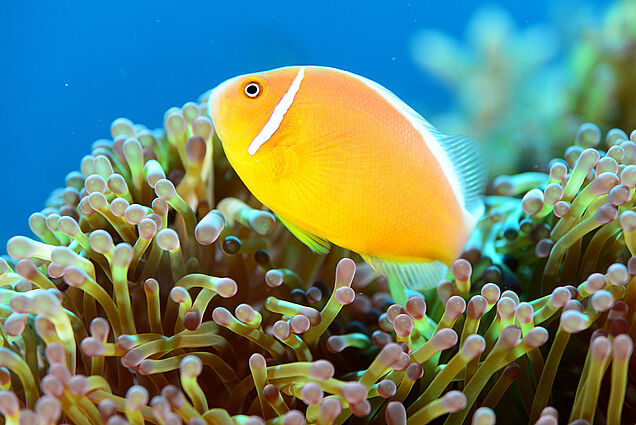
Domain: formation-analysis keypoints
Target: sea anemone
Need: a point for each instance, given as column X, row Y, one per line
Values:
column 160, row 291
column 573, row 230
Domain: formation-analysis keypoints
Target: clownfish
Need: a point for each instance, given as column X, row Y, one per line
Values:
column 342, row 160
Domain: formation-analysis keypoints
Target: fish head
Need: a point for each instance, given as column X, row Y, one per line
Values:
column 242, row 106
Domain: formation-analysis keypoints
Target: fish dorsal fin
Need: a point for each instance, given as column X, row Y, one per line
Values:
column 468, row 160
column 462, row 159
column 418, row 276
column 315, row 243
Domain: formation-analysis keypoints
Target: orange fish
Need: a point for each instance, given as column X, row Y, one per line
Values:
column 342, row 160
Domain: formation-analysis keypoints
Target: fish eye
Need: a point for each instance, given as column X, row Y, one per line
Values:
column 252, row 89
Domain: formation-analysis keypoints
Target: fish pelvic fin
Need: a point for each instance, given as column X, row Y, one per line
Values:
column 314, row 242
column 418, row 276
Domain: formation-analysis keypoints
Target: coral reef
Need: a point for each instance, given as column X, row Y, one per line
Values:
column 161, row 292
column 497, row 76
column 603, row 68
column 517, row 88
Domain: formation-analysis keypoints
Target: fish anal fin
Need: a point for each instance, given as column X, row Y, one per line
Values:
column 415, row 275
column 315, row 243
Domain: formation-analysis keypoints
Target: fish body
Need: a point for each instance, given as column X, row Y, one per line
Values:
column 342, row 160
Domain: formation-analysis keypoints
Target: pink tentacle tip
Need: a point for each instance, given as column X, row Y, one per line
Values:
column 395, row 413
column 345, row 271
column 322, row 370
column 444, row 339
column 454, row 401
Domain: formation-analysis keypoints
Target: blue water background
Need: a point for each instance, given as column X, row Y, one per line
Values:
column 69, row 68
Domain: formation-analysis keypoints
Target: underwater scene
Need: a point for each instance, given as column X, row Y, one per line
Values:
column 289, row 213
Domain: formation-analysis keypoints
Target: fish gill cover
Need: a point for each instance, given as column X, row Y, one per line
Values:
column 158, row 290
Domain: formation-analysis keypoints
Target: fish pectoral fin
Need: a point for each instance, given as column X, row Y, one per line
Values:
column 418, row 276
column 315, row 243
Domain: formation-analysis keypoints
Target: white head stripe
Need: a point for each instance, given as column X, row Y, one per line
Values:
column 277, row 116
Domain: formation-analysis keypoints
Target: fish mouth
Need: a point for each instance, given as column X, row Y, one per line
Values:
column 216, row 107
column 214, row 103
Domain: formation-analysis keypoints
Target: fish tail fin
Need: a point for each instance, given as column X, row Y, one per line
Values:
column 418, row 276
column 468, row 159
